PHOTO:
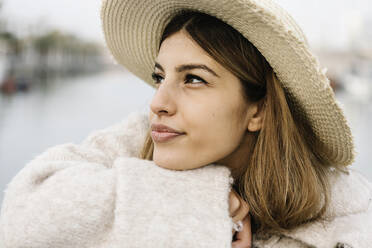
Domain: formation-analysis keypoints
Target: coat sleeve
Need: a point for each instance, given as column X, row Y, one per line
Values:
column 96, row 194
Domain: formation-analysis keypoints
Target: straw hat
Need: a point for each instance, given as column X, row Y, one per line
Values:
column 133, row 29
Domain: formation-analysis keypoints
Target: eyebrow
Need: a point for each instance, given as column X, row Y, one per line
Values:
column 185, row 67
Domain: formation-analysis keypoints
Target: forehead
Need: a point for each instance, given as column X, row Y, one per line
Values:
column 180, row 39
column 180, row 48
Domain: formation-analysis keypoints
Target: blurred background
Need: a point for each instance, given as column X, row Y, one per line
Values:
column 58, row 82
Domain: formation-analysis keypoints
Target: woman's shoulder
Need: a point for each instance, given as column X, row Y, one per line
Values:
column 346, row 223
column 348, row 220
column 351, row 193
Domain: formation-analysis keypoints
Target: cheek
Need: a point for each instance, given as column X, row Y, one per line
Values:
column 213, row 135
column 213, row 132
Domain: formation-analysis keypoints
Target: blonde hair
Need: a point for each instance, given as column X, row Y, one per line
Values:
column 284, row 181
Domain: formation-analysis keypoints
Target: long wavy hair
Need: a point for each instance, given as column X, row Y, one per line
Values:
column 284, row 181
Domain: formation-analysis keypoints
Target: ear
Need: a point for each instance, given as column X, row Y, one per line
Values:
column 256, row 116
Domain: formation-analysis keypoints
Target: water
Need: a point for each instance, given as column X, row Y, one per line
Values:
column 68, row 110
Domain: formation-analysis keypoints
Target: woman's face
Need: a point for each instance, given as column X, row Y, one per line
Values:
column 201, row 99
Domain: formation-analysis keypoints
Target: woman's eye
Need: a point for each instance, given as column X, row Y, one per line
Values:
column 189, row 78
column 156, row 77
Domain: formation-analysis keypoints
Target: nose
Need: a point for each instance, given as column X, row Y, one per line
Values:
column 163, row 102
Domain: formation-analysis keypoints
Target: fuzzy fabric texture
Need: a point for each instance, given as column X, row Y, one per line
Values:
column 348, row 221
column 99, row 194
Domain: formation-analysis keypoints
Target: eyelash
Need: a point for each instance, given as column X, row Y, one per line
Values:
column 156, row 77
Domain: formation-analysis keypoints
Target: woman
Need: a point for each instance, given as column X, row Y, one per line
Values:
column 245, row 103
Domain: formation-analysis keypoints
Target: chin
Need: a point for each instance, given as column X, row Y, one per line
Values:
column 167, row 164
column 169, row 160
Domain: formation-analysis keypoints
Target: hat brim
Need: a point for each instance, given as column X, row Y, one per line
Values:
column 133, row 29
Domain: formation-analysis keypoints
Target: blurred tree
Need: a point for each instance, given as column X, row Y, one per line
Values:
column 63, row 52
column 1, row 19
column 57, row 40
column 13, row 51
column 43, row 45
column 13, row 43
column 45, row 42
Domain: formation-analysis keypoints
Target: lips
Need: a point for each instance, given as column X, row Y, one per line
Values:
column 163, row 133
column 163, row 136
column 164, row 128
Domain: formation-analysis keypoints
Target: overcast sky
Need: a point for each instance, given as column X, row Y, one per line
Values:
column 325, row 22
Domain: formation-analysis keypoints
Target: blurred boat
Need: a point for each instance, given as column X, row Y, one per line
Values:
column 8, row 85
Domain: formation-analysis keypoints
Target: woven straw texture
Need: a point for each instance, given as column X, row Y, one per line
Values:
column 133, row 29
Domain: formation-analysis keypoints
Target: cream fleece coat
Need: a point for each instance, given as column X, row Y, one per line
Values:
column 99, row 194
